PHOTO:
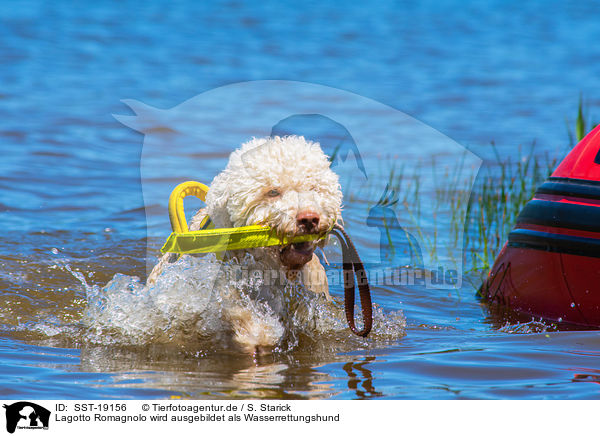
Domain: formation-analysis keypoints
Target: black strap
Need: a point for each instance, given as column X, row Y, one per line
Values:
column 353, row 266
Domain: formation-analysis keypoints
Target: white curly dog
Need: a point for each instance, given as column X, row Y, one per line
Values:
column 287, row 184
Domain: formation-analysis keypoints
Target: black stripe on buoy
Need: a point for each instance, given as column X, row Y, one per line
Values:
column 545, row 241
column 570, row 188
column 564, row 215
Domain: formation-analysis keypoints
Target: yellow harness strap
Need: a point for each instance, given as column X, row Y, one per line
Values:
column 213, row 240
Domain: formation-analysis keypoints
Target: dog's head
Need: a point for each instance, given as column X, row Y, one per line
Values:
column 283, row 182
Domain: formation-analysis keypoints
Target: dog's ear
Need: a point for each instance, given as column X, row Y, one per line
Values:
column 217, row 199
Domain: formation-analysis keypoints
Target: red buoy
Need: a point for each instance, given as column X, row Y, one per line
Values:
column 550, row 265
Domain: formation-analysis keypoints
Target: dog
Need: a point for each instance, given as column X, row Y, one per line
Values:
column 285, row 183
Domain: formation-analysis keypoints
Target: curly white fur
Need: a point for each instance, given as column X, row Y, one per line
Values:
column 295, row 166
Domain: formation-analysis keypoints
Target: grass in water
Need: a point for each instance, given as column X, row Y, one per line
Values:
column 497, row 198
column 501, row 189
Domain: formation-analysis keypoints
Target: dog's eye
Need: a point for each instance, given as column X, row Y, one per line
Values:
column 273, row 193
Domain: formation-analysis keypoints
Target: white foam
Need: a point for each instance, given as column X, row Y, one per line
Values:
column 201, row 300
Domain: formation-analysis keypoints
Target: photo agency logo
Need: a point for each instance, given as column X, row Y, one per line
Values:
column 24, row 415
column 405, row 186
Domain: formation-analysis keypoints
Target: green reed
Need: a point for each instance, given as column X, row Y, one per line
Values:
column 501, row 189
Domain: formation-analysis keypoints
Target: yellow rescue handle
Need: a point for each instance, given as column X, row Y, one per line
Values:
column 212, row 240
column 176, row 211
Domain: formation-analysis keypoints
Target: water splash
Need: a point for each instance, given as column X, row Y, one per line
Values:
column 212, row 304
column 530, row 327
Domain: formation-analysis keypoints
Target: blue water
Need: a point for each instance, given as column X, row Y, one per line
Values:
column 71, row 185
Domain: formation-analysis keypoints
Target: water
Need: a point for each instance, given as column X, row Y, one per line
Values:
column 74, row 216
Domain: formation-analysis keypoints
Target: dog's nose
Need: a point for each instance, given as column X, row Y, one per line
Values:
column 308, row 220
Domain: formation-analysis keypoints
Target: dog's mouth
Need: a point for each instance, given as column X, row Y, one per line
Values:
column 294, row 256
